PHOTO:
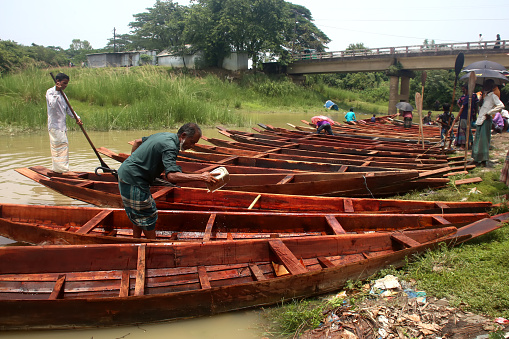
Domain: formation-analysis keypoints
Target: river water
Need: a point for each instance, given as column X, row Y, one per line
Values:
column 24, row 150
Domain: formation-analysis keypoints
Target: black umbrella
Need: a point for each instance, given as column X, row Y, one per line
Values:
column 484, row 74
column 485, row 64
column 404, row 106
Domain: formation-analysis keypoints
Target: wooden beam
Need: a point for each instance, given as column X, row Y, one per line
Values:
column 286, row 179
column 163, row 191
column 441, row 205
column 227, row 160
column 208, row 228
column 343, row 168
column 335, row 225
column 366, row 164
column 94, row 222
column 325, row 263
column 348, row 205
column 441, row 220
column 204, row 277
column 288, row 259
column 58, row 288
column 257, row 272
column 404, row 240
column 468, row 181
column 124, row 284
column 139, row 288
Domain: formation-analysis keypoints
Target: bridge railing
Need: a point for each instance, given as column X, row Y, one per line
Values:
column 460, row 46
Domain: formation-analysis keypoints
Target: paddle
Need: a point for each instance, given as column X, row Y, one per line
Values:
column 104, row 166
column 471, row 86
column 421, row 130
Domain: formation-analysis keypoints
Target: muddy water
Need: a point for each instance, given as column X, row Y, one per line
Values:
column 24, row 150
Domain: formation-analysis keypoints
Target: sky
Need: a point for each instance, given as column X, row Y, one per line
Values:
column 374, row 23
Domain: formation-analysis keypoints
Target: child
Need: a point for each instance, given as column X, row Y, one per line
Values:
column 446, row 120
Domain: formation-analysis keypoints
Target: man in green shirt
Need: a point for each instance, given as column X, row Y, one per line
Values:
column 150, row 157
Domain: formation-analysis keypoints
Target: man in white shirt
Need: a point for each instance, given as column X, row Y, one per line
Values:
column 57, row 127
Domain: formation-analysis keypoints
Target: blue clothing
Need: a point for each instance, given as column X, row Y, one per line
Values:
column 350, row 116
column 330, row 105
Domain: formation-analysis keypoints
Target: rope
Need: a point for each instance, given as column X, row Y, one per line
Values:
column 366, row 184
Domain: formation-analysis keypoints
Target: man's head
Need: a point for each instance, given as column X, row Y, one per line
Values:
column 429, row 112
column 446, row 107
column 351, row 109
column 488, row 85
column 188, row 135
column 62, row 80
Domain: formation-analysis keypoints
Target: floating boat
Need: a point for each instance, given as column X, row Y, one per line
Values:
column 92, row 225
column 126, row 284
column 103, row 191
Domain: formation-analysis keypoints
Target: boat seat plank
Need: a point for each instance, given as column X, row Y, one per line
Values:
column 255, row 200
column 139, row 288
column 94, row 222
column 286, row 179
column 124, row 284
column 204, row 277
column 208, row 228
column 257, row 272
column 405, row 240
column 229, row 236
column 58, row 289
column 441, row 220
column 288, row 259
column 228, row 160
column 335, row 225
column 441, row 205
column 85, row 184
column 348, row 205
column 325, row 263
column 162, row 192
column 343, row 168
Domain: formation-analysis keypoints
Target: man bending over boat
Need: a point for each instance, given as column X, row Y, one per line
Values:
column 150, row 156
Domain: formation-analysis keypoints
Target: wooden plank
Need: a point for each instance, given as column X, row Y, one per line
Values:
column 288, row 259
column 229, row 236
column 441, row 205
column 325, row 263
column 139, row 288
column 92, row 223
column 343, row 168
column 58, row 289
column 208, row 228
column 455, row 173
column 366, row 164
column 335, row 225
column 124, row 284
column 257, row 272
column 204, row 277
column 441, row 220
column 228, row 160
column 405, row 240
column 85, row 184
column 468, row 181
column 163, row 191
column 286, row 179
column 348, row 205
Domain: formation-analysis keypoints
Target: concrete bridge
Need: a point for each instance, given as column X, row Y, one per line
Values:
column 411, row 58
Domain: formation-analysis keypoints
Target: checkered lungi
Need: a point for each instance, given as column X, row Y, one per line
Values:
column 139, row 206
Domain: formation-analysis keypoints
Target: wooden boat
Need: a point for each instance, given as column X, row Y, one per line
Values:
column 125, row 284
column 316, row 183
column 92, row 225
column 105, row 194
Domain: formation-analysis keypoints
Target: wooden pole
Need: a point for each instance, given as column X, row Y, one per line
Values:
column 421, row 129
column 471, row 86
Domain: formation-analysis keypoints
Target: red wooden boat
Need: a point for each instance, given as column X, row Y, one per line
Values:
column 103, row 191
column 92, row 225
column 125, row 284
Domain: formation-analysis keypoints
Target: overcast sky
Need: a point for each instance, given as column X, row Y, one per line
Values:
column 375, row 23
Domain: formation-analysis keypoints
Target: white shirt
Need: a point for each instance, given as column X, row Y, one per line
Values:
column 57, row 110
column 490, row 106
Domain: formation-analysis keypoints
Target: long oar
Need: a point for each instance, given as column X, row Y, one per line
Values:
column 104, row 166
column 421, row 130
column 471, row 86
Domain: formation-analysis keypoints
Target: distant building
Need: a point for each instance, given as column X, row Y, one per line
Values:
column 166, row 58
column 236, row 62
column 119, row 59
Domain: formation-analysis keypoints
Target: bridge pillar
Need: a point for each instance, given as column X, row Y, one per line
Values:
column 398, row 92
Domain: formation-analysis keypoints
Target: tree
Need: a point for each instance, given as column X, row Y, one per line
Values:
column 301, row 33
column 161, row 27
column 78, row 50
column 121, row 43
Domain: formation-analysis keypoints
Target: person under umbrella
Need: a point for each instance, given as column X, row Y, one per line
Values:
column 463, row 118
column 323, row 123
column 406, row 111
column 491, row 105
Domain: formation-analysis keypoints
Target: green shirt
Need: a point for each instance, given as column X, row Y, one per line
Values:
column 156, row 154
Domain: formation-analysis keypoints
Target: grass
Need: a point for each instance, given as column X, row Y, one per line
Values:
column 151, row 97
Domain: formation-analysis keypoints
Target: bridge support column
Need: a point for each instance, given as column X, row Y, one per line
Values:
column 398, row 92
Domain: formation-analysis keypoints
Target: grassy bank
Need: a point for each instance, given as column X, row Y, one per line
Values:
column 472, row 276
column 156, row 97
